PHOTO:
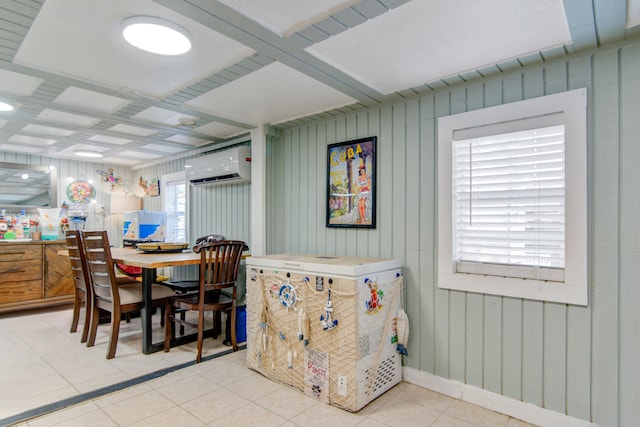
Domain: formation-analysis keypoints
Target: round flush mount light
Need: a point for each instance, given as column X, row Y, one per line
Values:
column 5, row 106
column 156, row 35
column 88, row 154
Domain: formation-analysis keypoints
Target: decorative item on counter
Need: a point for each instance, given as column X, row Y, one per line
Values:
column 77, row 216
column 4, row 224
column 22, row 226
column 49, row 223
column 109, row 177
column 327, row 322
column 402, row 329
column 81, row 192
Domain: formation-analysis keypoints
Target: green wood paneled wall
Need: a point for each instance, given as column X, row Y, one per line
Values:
column 580, row 361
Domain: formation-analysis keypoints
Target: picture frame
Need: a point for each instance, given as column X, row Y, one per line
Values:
column 351, row 183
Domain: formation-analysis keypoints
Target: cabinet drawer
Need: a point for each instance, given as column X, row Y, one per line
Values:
column 20, row 281
column 18, row 252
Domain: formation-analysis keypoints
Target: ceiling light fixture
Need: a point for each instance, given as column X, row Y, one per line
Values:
column 156, row 35
column 5, row 106
column 88, row 154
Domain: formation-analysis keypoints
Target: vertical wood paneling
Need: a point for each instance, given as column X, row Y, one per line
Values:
column 474, row 356
column 441, row 298
column 492, row 360
column 424, row 337
column 384, row 182
column 579, row 318
column 629, row 237
column 512, row 347
column 373, row 236
column 605, row 230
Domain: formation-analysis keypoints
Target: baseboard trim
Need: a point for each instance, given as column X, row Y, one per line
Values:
column 505, row 405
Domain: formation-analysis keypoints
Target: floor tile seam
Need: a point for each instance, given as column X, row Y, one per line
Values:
column 74, row 400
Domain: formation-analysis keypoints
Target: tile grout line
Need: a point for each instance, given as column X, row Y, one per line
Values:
column 64, row 403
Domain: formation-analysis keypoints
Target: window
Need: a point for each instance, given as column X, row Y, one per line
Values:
column 174, row 203
column 512, row 208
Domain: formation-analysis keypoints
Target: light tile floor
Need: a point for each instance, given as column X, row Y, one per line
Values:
column 42, row 363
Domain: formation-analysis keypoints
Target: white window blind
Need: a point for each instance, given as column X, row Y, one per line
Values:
column 175, row 205
column 509, row 199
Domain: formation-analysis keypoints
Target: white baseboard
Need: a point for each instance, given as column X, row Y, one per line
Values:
column 505, row 405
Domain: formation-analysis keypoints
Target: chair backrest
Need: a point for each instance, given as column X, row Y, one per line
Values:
column 78, row 262
column 209, row 238
column 100, row 263
column 220, row 262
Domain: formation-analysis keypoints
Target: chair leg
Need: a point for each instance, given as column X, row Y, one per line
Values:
column 168, row 327
column 95, row 319
column 87, row 319
column 183, row 314
column 200, row 335
column 234, row 340
column 115, row 331
column 77, row 301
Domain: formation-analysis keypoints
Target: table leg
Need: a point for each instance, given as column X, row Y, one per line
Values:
column 148, row 277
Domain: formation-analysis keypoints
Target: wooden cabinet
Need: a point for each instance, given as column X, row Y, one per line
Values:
column 33, row 275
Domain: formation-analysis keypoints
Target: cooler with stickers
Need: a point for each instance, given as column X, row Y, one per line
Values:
column 325, row 325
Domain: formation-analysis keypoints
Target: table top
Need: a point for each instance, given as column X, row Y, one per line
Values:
column 137, row 258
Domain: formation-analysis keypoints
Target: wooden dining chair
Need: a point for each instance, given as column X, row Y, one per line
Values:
column 191, row 286
column 83, row 293
column 108, row 294
column 217, row 290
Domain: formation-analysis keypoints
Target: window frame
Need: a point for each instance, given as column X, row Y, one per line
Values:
column 574, row 289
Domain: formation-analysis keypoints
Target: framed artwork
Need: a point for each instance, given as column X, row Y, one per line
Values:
column 351, row 183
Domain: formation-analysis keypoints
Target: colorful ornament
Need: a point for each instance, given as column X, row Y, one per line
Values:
column 402, row 329
column 327, row 322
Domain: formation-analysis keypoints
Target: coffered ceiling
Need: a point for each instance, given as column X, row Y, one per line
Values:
column 78, row 85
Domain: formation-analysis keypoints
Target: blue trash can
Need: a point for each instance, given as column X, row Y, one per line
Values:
column 241, row 326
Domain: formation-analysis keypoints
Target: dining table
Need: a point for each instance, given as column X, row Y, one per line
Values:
column 150, row 262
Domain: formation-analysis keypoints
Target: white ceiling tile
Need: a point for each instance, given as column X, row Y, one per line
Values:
column 47, row 130
column 272, row 94
column 120, row 65
column 119, row 161
column 219, row 130
column 63, row 118
column 132, row 130
column 183, row 139
column 140, row 155
column 2, row 122
column 423, row 40
column 299, row 13
column 90, row 100
column 84, row 147
column 32, row 140
column 20, row 148
column 18, row 84
column 161, row 115
column 109, row 139
column 163, row 148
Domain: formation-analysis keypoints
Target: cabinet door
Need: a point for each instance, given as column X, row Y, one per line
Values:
column 20, row 272
column 57, row 272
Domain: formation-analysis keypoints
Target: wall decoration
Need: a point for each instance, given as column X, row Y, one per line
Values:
column 151, row 188
column 351, row 183
column 80, row 192
column 111, row 178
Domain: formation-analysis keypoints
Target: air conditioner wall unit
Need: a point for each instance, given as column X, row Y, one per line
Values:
column 222, row 167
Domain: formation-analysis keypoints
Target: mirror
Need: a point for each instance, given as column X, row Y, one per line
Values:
column 27, row 187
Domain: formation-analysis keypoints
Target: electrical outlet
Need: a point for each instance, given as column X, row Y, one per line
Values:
column 342, row 386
